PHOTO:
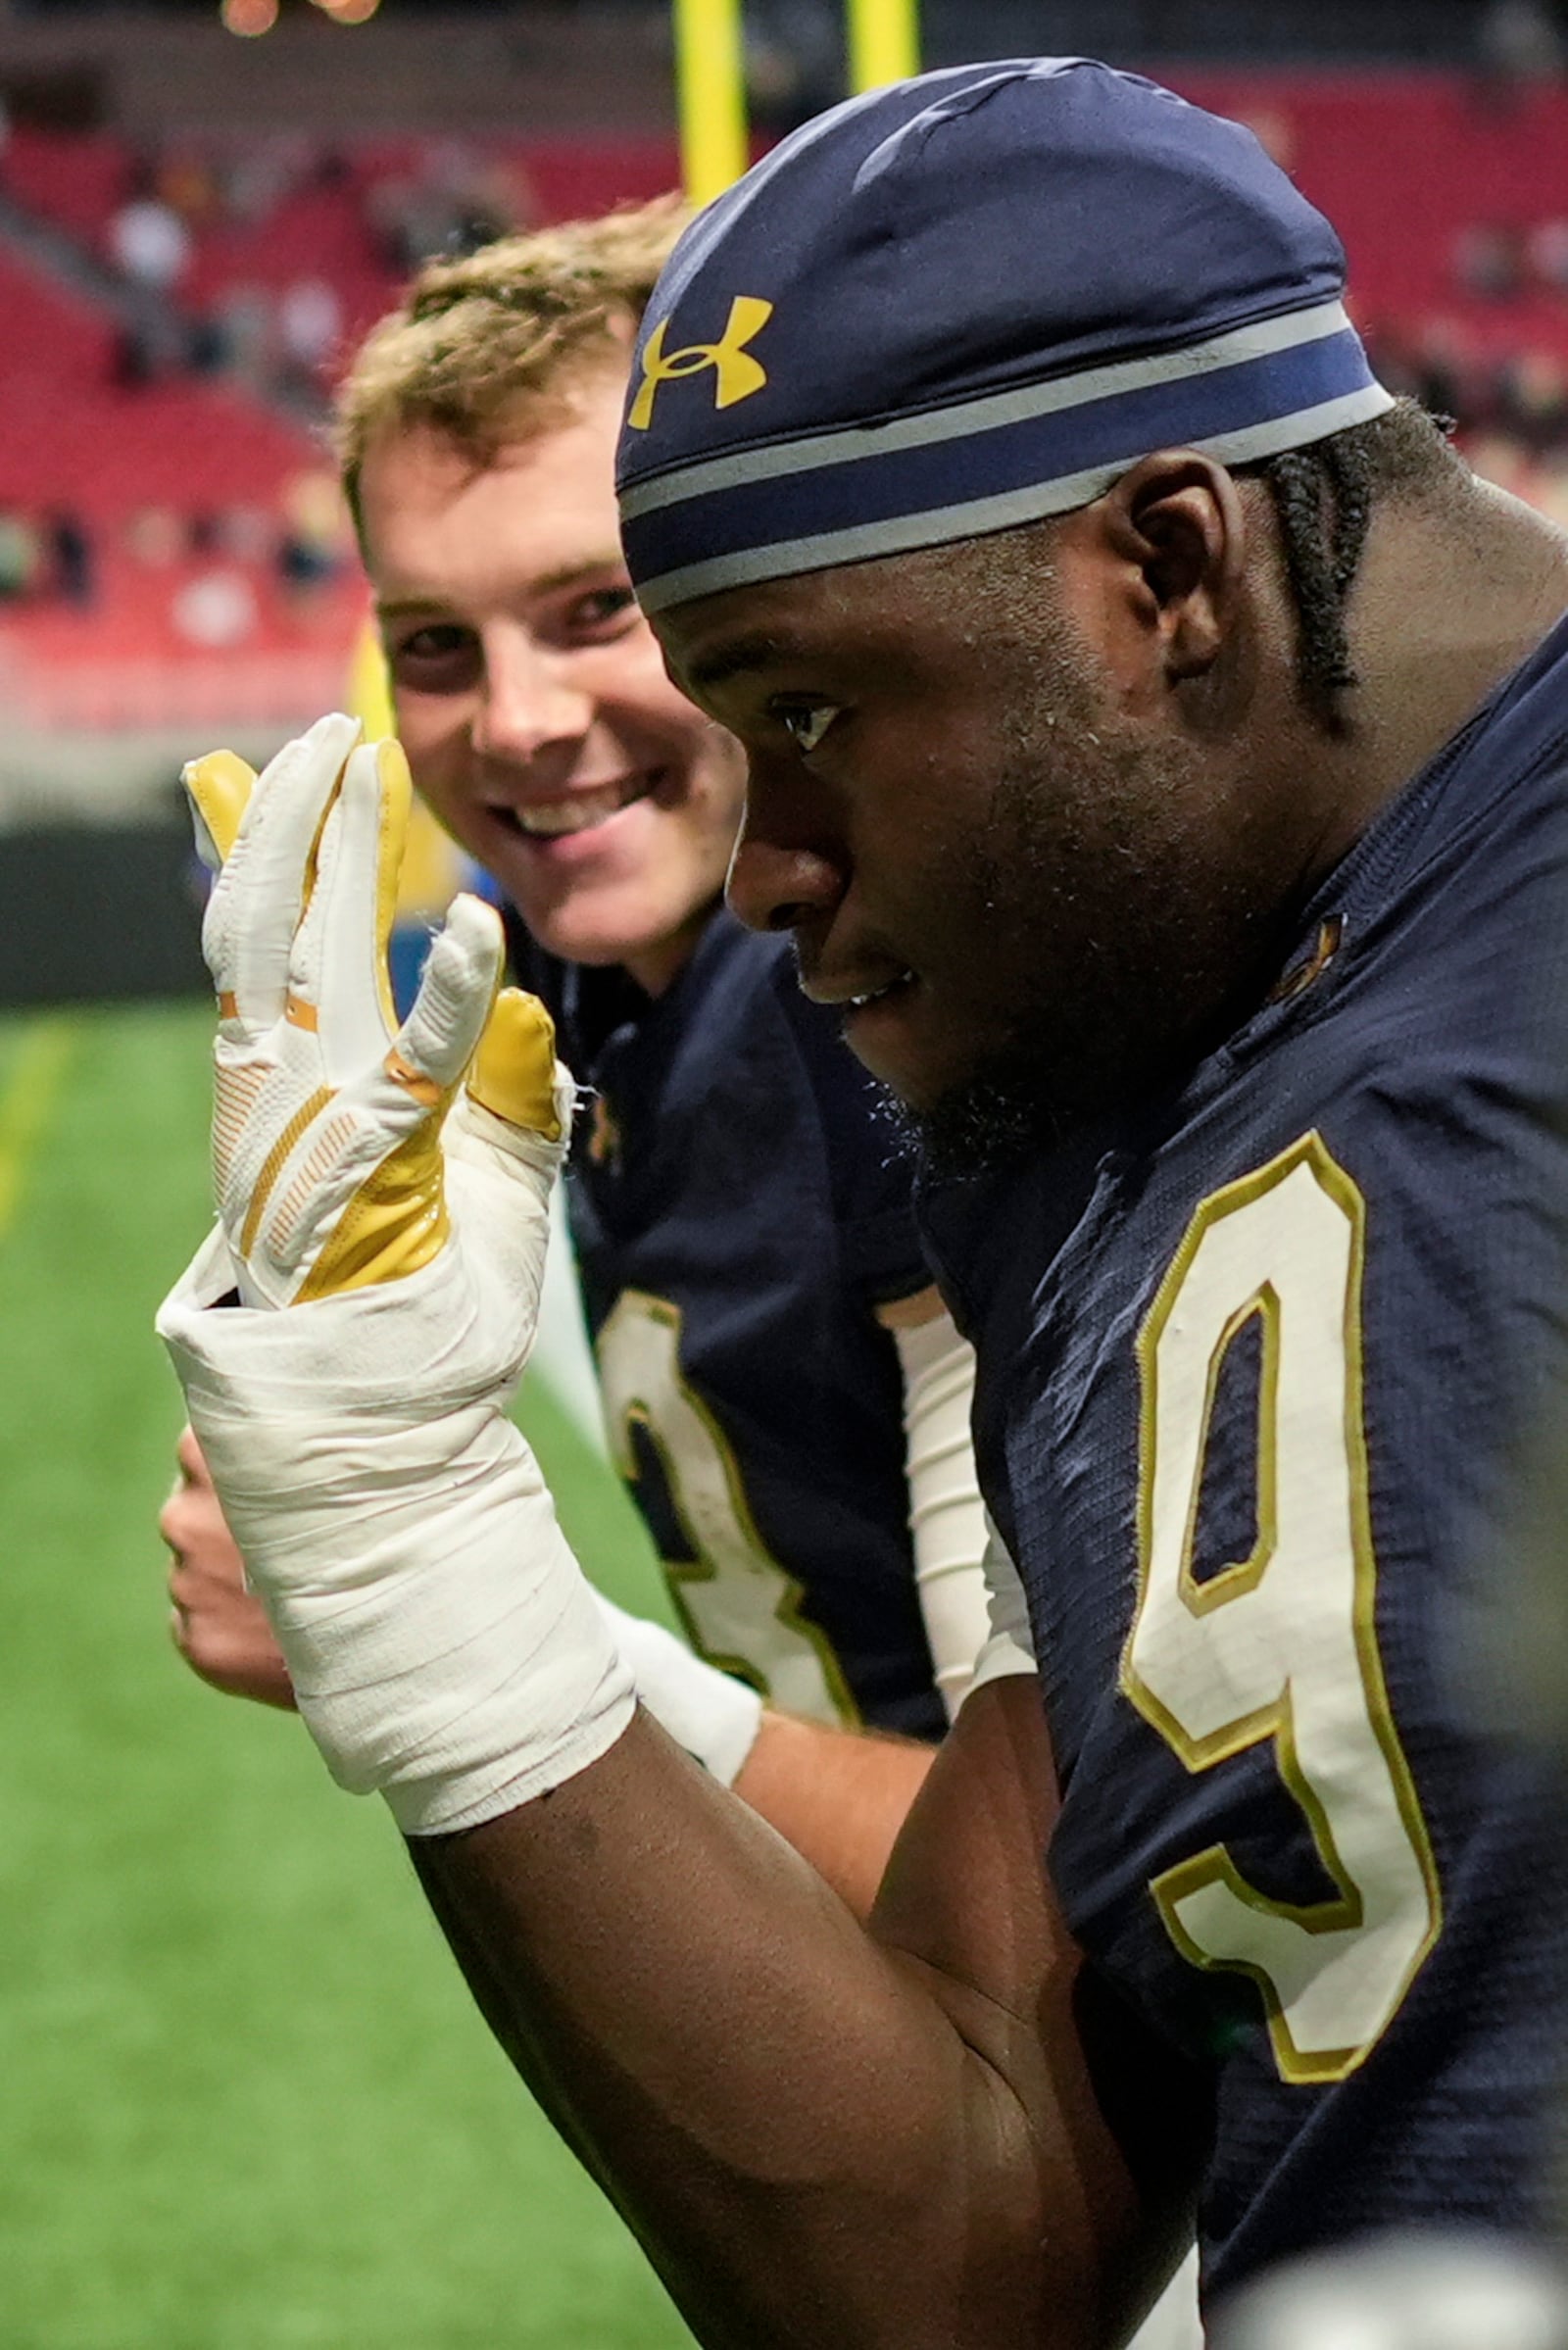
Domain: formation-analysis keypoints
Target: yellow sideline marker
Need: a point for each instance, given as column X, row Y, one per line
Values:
column 42, row 1058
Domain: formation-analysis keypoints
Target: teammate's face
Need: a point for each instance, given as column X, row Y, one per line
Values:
column 530, row 695
column 1026, row 883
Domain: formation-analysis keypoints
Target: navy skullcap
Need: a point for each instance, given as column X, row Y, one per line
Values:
column 965, row 302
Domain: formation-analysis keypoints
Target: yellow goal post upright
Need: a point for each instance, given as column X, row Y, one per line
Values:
column 884, row 42
column 884, row 45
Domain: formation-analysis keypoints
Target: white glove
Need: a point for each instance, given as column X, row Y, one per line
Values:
column 326, row 1126
column 441, row 1641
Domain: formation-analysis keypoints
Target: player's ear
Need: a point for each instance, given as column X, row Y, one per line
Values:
column 1176, row 520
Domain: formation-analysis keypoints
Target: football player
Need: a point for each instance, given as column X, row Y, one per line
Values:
column 1156, row 747
column 782, row 1388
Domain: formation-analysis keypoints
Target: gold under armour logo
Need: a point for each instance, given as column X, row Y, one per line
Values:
column 739, row 374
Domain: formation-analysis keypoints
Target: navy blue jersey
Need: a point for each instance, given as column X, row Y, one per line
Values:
column 1253, row 1375
column 739, row 1211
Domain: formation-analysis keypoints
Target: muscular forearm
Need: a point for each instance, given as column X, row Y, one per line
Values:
column 822, row 2134
column 838, row 1797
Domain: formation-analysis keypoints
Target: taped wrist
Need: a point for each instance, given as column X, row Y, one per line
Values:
column 443, row 1644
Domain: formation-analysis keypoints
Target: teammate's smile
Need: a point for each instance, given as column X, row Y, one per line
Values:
column 531, row 697
column 587, row 807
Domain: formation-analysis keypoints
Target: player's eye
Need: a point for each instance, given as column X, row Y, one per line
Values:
column 440, row 658
column 806, row 722
column 602, row 612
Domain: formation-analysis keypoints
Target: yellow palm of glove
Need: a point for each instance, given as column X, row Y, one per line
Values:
column 327, row 1159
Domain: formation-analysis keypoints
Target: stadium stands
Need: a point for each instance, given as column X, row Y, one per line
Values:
column 1461, row 285
column 219, row 584
column 158, row 481
column 196, row 480
column 1462, row 156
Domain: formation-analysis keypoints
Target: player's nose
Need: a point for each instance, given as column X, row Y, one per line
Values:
column 530, row 700
column 773, row 885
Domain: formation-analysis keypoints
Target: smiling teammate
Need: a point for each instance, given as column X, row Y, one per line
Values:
column 763, row 1317
column 1156, row 740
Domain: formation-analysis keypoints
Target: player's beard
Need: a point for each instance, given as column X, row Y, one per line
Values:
column 1132, row 913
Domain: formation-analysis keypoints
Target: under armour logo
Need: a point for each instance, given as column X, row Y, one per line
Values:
column 739, row 374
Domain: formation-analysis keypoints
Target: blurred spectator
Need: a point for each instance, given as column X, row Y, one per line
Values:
column 303, row 564
column 145, row 348
column 215, row 610
column 1519, row 42
column 1274, row 130
column 1434, row 367
column 149, row 242
column 315, row 542
column 794, row 60
column 244, row 325
column 1501, row 458
column 246, row 533
column 331, row 169
column 186, row 184
column 130, row 364
column 155, row 538
column 310, row 323
column 1533, row 399
column 208, row 349
column 453, row 202
column 1550, row 488
column 493, row 197
column 1447, row 379
column 1546, row 251
column 1489, row 260
column 73, row 557
column 256, row 182
column 19, row 557
column 410, row 221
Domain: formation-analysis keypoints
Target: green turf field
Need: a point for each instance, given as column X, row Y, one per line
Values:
column 244, row 2102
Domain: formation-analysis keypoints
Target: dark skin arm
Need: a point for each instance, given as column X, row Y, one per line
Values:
column 821, row 2133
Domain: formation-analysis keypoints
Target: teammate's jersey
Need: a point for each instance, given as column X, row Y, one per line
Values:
column 739, row 1211
column 1252, row 1381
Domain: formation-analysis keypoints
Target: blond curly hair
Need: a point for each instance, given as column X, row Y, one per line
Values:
column 485, row 350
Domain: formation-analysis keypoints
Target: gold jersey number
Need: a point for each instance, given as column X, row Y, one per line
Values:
column 1282, row 1644
column 739, row 1607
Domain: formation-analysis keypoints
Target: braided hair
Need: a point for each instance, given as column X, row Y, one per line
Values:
column 1323, row 497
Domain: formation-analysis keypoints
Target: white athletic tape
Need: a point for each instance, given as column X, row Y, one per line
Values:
column 443, row 1644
